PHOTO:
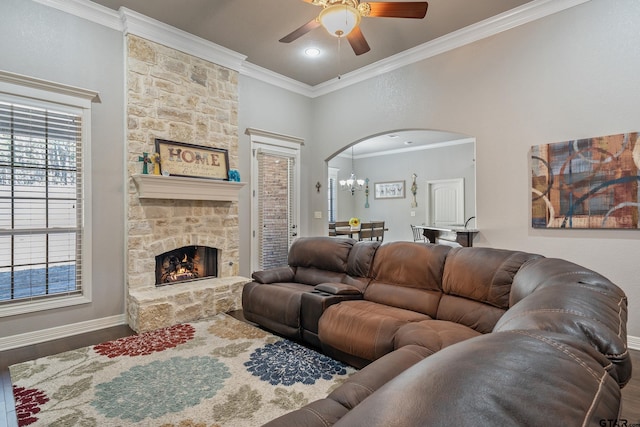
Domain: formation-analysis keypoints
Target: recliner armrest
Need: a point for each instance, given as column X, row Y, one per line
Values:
column 338, row 289
column 274, row 275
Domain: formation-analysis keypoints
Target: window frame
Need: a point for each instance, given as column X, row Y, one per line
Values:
column 39, row 93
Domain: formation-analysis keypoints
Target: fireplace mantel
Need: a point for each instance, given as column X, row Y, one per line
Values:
column 185, row 188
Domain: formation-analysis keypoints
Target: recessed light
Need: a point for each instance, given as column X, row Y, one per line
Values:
column 408, row 142
column 392, row 135
column 312, row 51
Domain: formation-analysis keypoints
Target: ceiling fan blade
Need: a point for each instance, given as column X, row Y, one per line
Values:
column 311, row 25
column 358, row 42
column 402, row 9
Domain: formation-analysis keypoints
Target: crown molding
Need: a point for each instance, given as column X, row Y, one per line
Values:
column 259, row 73
column 407, row 149
column 130, row 22
column 159, row 32
column 505, row 21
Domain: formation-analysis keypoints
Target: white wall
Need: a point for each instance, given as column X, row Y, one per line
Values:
column 570, row 75
column 42, row 42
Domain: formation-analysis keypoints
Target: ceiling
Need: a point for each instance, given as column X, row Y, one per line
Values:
column 253, row 28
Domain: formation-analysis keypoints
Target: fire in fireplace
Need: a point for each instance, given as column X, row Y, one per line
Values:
column 186, row 263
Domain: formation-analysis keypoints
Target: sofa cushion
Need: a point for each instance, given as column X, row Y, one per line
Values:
column 476, row 284
column 408, row 275
column 322, row 253
column 363, row 329
column 559, row 296
column 432, row 335
column 314, row 276
column 274, row 275
column 275, row 306
column 361, row 257
column 322, row 413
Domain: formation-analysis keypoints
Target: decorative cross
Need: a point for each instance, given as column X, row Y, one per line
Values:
column 146, row 160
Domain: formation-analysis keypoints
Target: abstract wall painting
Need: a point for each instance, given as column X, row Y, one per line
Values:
column 586, row 183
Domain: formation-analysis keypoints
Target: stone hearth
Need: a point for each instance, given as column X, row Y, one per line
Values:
column 168, row 305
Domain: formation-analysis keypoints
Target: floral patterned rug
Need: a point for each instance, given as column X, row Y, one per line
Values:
column 212, row 373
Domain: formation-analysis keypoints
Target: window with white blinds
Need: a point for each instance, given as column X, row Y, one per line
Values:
column 41, row 203
column 332, row 194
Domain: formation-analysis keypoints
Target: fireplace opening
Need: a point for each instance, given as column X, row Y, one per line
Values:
column 185, row 264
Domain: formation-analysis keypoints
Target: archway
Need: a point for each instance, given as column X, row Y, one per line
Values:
column 393, row 158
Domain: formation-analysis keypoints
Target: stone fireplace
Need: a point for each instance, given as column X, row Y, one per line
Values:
column 175, row 96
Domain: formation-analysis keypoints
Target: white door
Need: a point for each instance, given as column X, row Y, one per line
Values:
column 275, row 200
column 445, row 202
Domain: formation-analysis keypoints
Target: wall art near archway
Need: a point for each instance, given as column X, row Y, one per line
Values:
column 586, row 183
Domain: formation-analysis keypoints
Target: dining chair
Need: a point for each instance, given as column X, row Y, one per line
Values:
column 417, row 234
column 340, row 228
column 377, row 230
column 365, row 231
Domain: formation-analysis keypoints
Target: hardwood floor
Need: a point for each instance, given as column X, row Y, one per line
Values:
column 630, row 394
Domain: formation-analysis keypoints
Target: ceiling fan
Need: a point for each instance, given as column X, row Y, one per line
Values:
column 341, row 18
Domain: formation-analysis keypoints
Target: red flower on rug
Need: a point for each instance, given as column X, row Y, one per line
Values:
column 28, row 401
column 148, row 342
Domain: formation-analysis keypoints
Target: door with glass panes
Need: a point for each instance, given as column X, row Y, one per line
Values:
column 275, row 204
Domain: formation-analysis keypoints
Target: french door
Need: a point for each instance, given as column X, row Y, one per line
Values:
column 275, row 207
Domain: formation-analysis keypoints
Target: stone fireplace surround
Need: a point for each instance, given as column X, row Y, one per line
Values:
column 150, row 307
column 178, row 97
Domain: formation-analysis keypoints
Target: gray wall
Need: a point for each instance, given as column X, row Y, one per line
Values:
column 266, row 107
column 455, row 161
column 571, row 75
column 42, row 42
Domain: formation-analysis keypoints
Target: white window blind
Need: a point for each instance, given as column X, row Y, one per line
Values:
column 292, row 227
column 41, row 201
column 332, row 194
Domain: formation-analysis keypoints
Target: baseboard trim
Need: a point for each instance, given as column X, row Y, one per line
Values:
column 35, row 337
column 633, row 343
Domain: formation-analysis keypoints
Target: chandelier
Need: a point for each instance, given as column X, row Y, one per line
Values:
column 352, row 184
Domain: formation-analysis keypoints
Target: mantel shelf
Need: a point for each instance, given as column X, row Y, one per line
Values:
column 185, row 188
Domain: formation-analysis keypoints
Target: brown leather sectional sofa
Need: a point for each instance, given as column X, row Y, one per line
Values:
column 449, row 336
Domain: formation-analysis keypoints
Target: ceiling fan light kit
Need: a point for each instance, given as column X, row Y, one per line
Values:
column 341, row 18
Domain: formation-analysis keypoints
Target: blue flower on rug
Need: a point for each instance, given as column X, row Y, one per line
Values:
column 287, row 363
column 161, row 387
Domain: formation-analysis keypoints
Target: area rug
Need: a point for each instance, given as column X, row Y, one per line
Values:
column 213, row 373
